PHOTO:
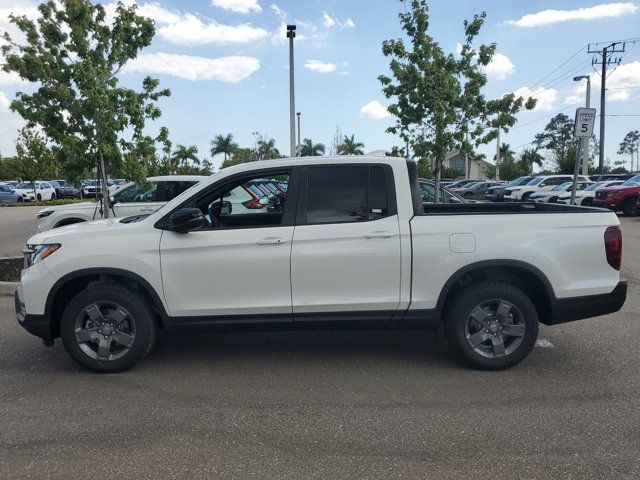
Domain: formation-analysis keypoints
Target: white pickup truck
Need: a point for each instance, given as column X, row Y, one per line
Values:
column 346, row 244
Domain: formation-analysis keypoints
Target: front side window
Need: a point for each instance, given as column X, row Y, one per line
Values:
column 344, row 194
column 169, row 190
column 139, row 192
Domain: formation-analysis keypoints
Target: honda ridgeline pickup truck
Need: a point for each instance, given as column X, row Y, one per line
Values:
column 348, row 244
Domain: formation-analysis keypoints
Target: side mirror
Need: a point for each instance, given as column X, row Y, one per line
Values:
column 542, row 185
column 185, row 220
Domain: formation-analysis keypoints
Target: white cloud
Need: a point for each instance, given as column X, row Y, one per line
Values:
column 320, row 66
column 240, row 6
column 499, row 68
column 191, row 30
column 11, row 78
column 375, row 110
column 328, row 21
column 10, row 123
column 546, row 97
column 278, row 11
column 231, row 69
column 547, row 17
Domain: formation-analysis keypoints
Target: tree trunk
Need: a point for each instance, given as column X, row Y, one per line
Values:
column 437, row 170
column 106, row 200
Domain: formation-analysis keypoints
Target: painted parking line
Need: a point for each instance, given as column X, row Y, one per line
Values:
column 543, row 343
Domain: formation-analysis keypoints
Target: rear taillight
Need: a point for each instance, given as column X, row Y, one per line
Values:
column 613, row 246
column 254, row 203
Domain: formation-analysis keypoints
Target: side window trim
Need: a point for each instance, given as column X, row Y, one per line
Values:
column 301, row 216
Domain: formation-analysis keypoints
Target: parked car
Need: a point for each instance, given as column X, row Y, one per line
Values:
column 622, row 198
column 9, row 196
column 585, row 197
column 461, row 184
column 552, row 196
column 496, row 193
column 428, row 189
column 92, row 188
column 68, row 190
column 542, row 183
column 476, row 190
column 132, row 199
column 36, row 191
column 353, row 247
column 12, row 183
column 612, row 176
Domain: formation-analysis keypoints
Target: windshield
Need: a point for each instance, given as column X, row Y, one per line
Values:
column 535, row 181
column 595, row 186
column 519, row 181
column 562, row 186
column 25, row 185
column 632, row 182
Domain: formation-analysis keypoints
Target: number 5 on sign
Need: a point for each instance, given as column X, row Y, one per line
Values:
column 585, row 118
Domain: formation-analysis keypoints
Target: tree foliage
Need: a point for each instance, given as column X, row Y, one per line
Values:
column 310, row 149
column 350, row 146
column 558, row 140
column 74, row 55
column 34, row 159
column 223, row 144
column 437, row 97
column 631, row 145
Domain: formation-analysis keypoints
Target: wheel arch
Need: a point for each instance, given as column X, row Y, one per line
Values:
column 520, row 274
column 70, row 220
column 72, row 283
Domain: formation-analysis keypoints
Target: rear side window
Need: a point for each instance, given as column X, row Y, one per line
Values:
column 345, row 194
column 167, row 191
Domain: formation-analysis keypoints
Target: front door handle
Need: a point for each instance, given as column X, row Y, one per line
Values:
column 379, row 235
column 271, row 241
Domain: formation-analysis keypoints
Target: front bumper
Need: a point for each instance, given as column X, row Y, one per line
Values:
column 565, row 310
column 37, row 325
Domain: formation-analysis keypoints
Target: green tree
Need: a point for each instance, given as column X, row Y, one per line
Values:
column 631, row 145
column 557, row 139
column 34, row 159
column 223, row 144
column 437, row 97
column 74, row 53
column 350, row 146
column 266, row 148
column 240, row 155
column 310, row 149
column 185, row 158
column 528, row 158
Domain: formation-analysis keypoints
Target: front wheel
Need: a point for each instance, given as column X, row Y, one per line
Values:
column 630, row 208
column 525, row 197
column 492, row 325
column 53, row 196
column 39, row 197
column 553, row 200
column 587, row 202
column 468, row 195
column 108, row 328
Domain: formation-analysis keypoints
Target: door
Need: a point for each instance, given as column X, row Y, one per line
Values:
column 237, row 267
column 345, row 261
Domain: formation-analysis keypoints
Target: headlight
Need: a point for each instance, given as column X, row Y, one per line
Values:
column 36, row 253
column 44, row 213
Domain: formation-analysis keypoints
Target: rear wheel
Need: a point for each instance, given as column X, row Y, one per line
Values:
column 587, row 202
column 53, row 196
column 468, row 195
column 108, row 327
column 553, row 200
column 630, row 207
column 525, row 197
column 39, row 197
column 492, row 325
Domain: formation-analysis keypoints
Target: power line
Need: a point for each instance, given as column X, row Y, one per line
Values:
column 558, row 67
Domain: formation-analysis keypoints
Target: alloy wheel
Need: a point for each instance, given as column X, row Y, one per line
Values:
column 495, row 328
column 105, row 331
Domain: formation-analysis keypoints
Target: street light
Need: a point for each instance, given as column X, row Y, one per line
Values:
column 585, row 141
column 291, row 34
column 299, row 151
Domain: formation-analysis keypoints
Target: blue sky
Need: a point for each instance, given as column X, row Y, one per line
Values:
column 225, row 62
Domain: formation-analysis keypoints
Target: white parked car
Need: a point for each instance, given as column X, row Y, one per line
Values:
column 351, row 246
column 551, row 196
column 132, row 199
column 38, row 190
column 585, row 197
column 543, row 183
column 92, row 187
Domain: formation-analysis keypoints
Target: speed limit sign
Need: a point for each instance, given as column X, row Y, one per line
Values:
column 585, row 118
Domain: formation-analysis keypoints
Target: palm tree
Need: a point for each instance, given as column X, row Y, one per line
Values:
column 529, row 157
column 505, row 151
column 182, row 155
column 223, row 144
column 266, row 149
column 310, row 149
column 349, row 146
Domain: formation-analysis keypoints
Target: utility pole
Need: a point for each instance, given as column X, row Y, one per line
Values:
column 299, row 143
column 605, row 61
column 585, row 141
column 291, row 34
column 466, row 161
column 498, row 156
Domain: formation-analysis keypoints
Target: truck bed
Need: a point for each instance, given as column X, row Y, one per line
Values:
column 502, row 208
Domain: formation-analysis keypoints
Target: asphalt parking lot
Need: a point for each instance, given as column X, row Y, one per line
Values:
column 329, row 405
column 17, row 224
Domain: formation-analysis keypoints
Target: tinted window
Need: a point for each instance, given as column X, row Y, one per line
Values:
column 170, row 190
column 378, row 201
column 136, row 193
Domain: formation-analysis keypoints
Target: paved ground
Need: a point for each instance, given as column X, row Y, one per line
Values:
column 329, row 405
column 17, row 224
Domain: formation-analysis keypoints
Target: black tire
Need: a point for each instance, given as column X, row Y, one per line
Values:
column 525, row 197
column 53, row 196
column 587, row 202
column 468, row 195
column 141, row 323
column 39, row 198
column 553, row 200
column 630, row 207
column 19, row 200
column 458, row 317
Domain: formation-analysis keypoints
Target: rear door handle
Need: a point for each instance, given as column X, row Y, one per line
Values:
column 379, row 235
column 271, row 241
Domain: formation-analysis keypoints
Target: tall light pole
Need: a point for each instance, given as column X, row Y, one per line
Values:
column 585, row 141
column 498, row 156
column 299, row 150
column 291, row 34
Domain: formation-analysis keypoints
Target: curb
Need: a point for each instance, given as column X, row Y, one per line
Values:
column 7, row 288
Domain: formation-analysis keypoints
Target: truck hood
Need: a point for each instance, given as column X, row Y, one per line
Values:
column 84, row 206
column 59, row 235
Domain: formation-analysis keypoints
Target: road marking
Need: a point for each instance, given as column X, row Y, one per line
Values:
column 543, row 343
